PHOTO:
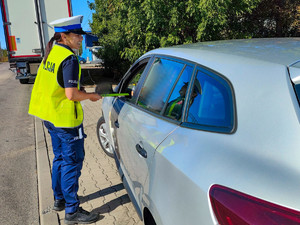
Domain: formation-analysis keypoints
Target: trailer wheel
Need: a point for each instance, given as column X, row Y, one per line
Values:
column 24, row 81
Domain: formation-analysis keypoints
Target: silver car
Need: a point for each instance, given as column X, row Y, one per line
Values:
column 209, row 133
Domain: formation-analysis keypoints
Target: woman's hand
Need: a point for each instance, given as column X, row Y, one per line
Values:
column 74, row 94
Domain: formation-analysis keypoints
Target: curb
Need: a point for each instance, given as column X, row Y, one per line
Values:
column 46, row 201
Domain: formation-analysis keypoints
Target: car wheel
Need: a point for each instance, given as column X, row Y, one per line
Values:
column 103, row 138
column 81, row 62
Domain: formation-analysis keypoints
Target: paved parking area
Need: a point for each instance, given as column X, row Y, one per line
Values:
column 100, row 186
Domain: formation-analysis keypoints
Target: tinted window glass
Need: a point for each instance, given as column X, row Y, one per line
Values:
column 211, row 102
column 177, row 99
column 159, row 83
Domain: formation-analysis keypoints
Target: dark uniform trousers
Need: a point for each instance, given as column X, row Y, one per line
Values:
column 68, row 149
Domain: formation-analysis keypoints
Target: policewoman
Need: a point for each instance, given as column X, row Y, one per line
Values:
column 55, row 99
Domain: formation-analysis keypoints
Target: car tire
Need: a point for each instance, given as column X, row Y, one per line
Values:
column 103, row 138
column 24, row 81
column 148, row 218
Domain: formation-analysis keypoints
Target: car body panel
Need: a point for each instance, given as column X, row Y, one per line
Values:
column 283, row 51
column 260, row 157
column 107, row 105
column 186, row 171
column 137, row 127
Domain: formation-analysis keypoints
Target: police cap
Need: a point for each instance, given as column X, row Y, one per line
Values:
column 69, row 24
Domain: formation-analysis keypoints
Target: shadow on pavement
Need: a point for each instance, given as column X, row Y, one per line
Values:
column 111, row 205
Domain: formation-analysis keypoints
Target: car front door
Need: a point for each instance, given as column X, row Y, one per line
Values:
column 140, row 125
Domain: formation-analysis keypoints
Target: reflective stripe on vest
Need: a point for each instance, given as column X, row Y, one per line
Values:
column 48, row 99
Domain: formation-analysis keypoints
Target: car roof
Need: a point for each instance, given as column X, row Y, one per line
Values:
column 285, row 51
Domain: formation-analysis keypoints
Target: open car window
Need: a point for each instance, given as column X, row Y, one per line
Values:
column 133, row 79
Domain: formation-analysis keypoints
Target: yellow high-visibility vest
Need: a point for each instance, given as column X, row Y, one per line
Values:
column 48, row 99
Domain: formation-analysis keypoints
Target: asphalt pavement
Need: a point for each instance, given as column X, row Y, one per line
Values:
column 100, row 187
column 18, row 173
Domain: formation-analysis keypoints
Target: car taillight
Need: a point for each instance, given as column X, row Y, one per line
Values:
column 235, row 208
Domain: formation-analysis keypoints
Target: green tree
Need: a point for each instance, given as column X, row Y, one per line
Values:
column 129, row 28
column 108, row 24
column 273, row 18
column 3, row 55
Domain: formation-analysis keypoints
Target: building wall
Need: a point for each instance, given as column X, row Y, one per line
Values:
column 87, row 44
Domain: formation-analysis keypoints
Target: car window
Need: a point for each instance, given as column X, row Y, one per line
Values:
column 133, row 79
column 210, row 103
column 176, row 101
column 159, row 82
column 131, row 88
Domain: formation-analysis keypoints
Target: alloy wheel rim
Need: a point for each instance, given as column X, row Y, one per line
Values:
column 103, row 138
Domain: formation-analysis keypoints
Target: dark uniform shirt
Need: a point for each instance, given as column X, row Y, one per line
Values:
column 68, row 71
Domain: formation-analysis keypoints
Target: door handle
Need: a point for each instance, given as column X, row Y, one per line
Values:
column 141, row 150
column 117, row 124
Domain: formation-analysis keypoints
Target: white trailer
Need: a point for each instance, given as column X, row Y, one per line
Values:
column 27, row 31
